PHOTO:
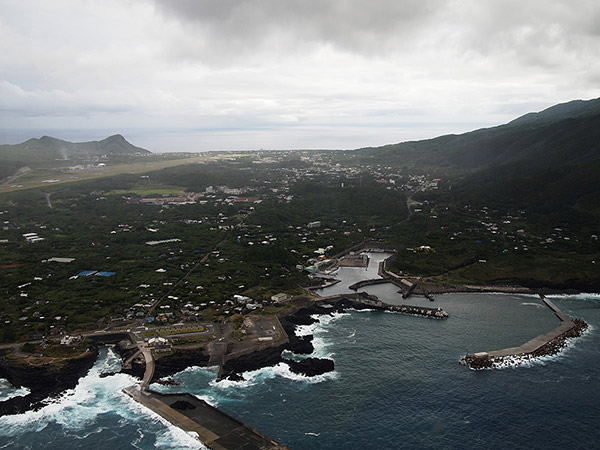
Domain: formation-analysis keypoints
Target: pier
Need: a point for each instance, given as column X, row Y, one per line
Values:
column 544, row 344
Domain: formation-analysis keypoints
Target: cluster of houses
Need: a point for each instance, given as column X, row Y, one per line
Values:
column 32, row 238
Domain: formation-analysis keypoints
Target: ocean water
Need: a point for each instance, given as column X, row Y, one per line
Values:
column 93, row 415
column 397, row 384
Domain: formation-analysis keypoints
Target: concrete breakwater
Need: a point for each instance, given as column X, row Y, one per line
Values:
column 214, row 428
column 546, row 344
column 407, row 287
column 360, row 284
column 363, row 300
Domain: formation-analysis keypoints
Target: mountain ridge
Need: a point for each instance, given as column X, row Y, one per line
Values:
column 564, row 131
column 48, row 151
column 112, row 145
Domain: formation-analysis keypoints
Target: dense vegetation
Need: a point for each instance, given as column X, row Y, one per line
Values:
column 517, row 204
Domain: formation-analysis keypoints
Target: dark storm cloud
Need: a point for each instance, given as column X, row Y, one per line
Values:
column 536, row 32
column 545, row 33
column 364, row 27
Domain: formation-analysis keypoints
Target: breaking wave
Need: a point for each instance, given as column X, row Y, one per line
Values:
column 7, row 390
column 76, row 413
column 583, row 296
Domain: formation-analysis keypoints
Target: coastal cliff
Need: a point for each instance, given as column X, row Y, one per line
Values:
column 43, row 381
column 302, row 314
column 178, row 361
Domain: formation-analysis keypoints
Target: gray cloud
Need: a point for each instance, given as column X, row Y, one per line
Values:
column 537, row 32
column 291, row 72
column 242, row 28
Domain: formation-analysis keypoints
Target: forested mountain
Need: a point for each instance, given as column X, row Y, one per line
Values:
column 547, row 162
column 568, row 133
column 49, row 151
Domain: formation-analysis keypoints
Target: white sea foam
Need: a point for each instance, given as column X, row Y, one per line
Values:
column 7, row 390
column 321, row 347
column 283, row 370
column 305, row 330
column 197, row 370
column 76, row 409
column 291, row 355
column 326, row 319
column 362, row 310
column 583, row 296
column 319, row 329
column 264, row 374
column 537, row 305
column 511, row 362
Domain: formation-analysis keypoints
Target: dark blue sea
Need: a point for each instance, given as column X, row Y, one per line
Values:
column 397, row 384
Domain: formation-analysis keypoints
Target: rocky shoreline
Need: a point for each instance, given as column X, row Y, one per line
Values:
column 433, row 287
column 234, row 369
column 45, row 381
column 50, row 380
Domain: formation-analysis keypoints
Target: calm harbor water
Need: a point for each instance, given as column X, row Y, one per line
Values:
column 397, row 385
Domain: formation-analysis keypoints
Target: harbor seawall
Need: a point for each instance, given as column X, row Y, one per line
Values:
column 216, row 429
column 545, row 344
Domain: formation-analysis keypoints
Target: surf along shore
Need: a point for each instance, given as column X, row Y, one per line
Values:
column 233, row 359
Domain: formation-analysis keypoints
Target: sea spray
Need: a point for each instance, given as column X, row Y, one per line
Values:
column 81, row 414
column 595, row 297
column 398, row 386
column 7, row 390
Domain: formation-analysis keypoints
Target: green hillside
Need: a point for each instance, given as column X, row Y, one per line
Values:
column 568, row 132
column 49, row 151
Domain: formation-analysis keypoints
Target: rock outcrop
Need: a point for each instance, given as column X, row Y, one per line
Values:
column 43, row 381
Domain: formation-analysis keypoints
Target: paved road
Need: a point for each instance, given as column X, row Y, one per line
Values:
column 149, row 367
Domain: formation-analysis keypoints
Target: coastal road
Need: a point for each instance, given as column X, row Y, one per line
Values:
column 48, row 199
column 149, row 373
column 410, row 202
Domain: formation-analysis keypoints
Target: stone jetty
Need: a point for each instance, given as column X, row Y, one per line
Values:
column 546, row 344
column 363, row 300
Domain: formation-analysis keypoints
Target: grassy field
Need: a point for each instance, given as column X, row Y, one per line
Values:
column 157, row 333
column 35, row 177
column 147, row 191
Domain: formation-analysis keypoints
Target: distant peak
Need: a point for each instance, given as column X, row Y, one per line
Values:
column 115, row 139
column 48, row 139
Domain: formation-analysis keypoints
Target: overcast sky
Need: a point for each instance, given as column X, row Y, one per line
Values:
column 195, row 75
